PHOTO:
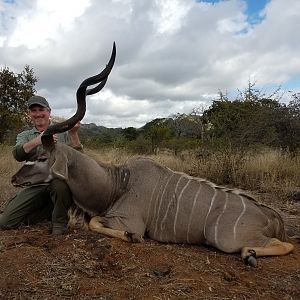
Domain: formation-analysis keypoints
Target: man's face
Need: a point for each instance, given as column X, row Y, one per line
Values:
column 40, row 116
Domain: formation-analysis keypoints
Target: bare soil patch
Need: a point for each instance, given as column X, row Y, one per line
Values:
column 85, row 265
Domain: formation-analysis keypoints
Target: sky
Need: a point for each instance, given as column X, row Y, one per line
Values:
column 172, row 56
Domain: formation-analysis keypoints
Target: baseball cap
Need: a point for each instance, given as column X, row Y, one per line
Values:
column 38, row 100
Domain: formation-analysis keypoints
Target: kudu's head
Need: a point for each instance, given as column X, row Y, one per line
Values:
column 53, row 162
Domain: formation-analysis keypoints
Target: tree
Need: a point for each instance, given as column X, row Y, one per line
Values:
column 252, row 118
column 130, row 133
column 179, row 123
column 292, row 119
column 294, row 105
column 15, row 90
column 157, row 130
column 197, row 119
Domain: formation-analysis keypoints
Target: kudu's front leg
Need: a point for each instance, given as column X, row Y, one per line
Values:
column 96, row 225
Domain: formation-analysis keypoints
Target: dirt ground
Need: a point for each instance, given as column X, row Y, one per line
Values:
column 84, row 265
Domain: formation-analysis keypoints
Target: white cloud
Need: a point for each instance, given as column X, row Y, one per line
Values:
column 36, row 27
column 172, row 55
column 170, row 14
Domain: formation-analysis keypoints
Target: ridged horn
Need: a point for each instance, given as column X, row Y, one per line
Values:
column 100, row 79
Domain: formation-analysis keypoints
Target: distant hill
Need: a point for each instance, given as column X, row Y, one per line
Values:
column 92, row 130
column 93, row 135
column 187, row 126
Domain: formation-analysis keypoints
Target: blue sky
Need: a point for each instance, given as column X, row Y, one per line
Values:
column 254, row 7
column 172, row 55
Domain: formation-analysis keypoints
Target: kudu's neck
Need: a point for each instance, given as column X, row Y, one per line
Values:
column 119, row 177
column 106, row 182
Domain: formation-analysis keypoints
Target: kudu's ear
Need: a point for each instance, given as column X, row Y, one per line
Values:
column 60, row 166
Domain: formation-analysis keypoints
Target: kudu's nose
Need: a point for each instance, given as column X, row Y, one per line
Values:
column 13, row 179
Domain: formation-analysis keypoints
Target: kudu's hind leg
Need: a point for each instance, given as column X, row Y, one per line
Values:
column 96, row 225
column 273, row 247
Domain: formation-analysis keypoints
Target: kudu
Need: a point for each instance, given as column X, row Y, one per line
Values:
column 142, row 197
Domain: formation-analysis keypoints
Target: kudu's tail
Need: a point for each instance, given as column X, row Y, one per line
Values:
column 100, row 79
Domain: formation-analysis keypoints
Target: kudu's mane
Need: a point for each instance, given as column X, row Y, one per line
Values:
column 99, row 79
column 235, row 191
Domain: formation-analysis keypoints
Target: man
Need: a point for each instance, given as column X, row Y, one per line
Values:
column 47, row 201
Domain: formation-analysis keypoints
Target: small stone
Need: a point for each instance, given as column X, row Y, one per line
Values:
column 162, row 270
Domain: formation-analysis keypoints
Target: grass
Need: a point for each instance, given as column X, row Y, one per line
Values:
column 272, row 170
column 8, row 166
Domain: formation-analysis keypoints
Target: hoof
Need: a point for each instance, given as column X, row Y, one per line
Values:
column 133, row 237
column 250, row 259
column 252, row 262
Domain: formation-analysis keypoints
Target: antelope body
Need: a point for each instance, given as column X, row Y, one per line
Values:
column 142, row 198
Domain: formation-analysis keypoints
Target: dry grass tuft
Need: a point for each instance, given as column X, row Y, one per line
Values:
column 8, row 166
column 272, row 170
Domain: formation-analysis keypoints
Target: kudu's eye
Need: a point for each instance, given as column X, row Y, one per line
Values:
column 42, row 159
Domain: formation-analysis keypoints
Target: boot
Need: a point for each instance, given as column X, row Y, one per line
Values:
column 59, row 229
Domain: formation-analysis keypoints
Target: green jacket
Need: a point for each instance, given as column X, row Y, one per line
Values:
column 27, row 135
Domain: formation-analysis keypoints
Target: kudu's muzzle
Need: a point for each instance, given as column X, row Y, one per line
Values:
column 15, row 182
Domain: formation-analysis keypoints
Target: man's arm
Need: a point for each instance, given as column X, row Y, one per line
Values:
column 32, row 144
column 24, row 147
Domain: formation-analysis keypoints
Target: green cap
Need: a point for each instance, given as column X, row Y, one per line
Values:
column 38, row 100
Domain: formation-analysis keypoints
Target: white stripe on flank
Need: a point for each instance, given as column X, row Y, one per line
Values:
column 169, row 205
column 238, row 219
column 218, row 219
column 161, row 200
column 177, row 207
column 211, row 204
column 149, row 207
column 191, row 214
column 156, row 204
column 268, row 223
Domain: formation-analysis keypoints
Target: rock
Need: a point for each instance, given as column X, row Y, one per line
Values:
column 162, row 270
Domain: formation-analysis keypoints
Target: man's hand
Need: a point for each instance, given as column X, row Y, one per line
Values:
column 75, row 128
column 55, row 138
column 74, row 138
